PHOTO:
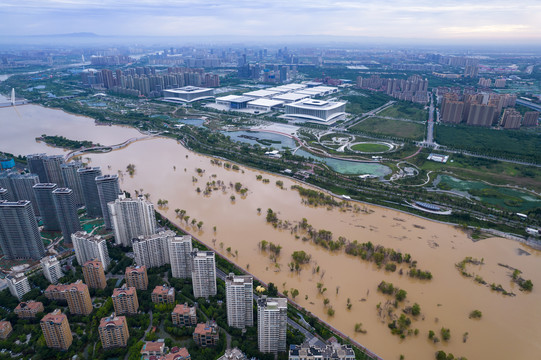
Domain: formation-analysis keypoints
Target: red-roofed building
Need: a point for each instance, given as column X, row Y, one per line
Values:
column 125, row 300
column 163, row 294
column 153, row 349
column 28, row 309
column 5, row 329
column 184, row 315
column 206, row 334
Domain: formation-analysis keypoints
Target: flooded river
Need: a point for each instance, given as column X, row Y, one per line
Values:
column 510, row 327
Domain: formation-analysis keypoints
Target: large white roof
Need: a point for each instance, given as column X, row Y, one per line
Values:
column 291, row 96
column 261, row 93
column 265, row 102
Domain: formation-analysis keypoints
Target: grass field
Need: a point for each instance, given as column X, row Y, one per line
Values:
column 395, row 128
column 405, row 111
column 370, row 147
column 508, row 144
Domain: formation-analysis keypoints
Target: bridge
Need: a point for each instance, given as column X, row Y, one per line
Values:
column 109, row 148
column 13, row 101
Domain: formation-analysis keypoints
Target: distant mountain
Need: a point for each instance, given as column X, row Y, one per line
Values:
column 78, row 35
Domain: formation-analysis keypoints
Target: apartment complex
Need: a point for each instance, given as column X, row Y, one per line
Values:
column 131, row 218
column 87, row 177
column 125, row 300
column 206, row 334
column 72, row 181
column 19, row 233
column 51, row 269
column 56, row 330
column 113, row 331
column 136, row 276
column 163, row 294
column 94, row 274
column 89, row 247
column 20, row 187
column 47, row 167
column 335, row 351
column 28, row 309
column 271, row 324
column 76, row 295
column 66, row 211
column 239, row 300
column 180, row 249
column 45, row 203
column 184, row 315
column 203, row 274
column 18, row 285
column 152, row 251
column 108, row 190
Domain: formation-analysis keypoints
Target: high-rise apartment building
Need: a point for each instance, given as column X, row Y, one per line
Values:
column 94, row 274
column 152, row 251
column 20, row 187
column 481, row 115
column 47, row 167
column 72, row 181
column 453, row 112
column 131, row 218
column 108, row 190
column 203, row 274
column 45, row 203
column 125, row 300
column 51, row 269
column 78, row 298
column 19, row 233
column 184, row 315
column 28, row 309
column 56, row 330
column 136, row 276
column 511, row 119
column 271, row 324
column 163, row 294
column 239, row 292
column 530, row 118
column 18, row 285
column 87, row 176
column 89, row 247
column 113, row 331
column 66, row 211
column 180, row 250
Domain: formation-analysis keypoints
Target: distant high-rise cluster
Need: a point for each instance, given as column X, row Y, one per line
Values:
column 145, row 81
column 414, row 89
column 482, row 109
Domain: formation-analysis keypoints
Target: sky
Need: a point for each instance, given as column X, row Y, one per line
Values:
column 401, row 19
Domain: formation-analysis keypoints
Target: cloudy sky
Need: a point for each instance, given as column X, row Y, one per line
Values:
column 413, row 19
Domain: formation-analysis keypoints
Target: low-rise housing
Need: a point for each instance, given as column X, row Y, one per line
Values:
column 335, row 351
column 5, row 329
column 206, row 334
column 163, row 294
column 28, row 309
column 184, row 315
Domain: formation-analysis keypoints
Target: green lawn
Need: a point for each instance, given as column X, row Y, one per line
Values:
column 395, row 128
column 370, row 147
column 405, row 111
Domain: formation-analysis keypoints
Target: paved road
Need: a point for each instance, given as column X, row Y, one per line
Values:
column 430, row 126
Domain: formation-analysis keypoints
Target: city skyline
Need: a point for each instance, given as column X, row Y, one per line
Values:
column 397, row 19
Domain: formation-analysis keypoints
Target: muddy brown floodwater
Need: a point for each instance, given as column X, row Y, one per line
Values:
column 510, row 327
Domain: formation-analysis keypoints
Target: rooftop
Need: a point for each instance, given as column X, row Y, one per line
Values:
column 163, row 290
column 265, row 102
column 32, row 305
column 112, row 320
column 205, row 328
column 188, row 89
column 136, row 269
column 261, row 93
column 153, row 346
column 55, row 317
column 183, row 309
column 124, row 291
column 93, row 263
column 235, row 98
column 291, row 96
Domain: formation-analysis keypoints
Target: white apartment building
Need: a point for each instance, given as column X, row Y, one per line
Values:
column 131, row 218
column 239, row 300
column 180, row 249
column 271, row 324
column 89, row 247
column 203, row 274
column 51, row 269
column 18, row 285
column 152, row 250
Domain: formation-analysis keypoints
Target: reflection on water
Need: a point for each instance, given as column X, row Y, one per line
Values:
column 510, row 326
column 348, row 167
column 282, row 142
